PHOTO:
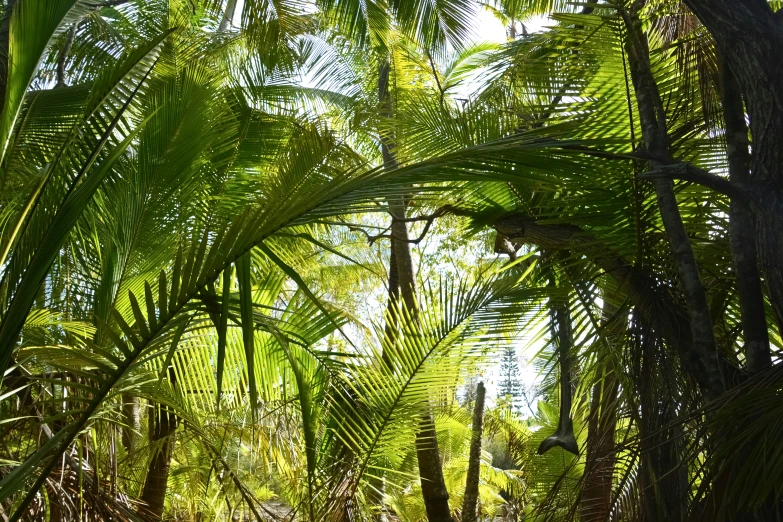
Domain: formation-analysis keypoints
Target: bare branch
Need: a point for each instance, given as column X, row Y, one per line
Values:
column 430, row 219
column 688, row 172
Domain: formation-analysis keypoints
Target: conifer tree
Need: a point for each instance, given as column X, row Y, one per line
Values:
column 510, row 389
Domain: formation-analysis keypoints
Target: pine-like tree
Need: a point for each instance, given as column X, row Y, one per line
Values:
column 510, row 388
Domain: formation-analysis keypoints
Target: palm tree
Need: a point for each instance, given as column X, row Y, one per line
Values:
column 188, row 190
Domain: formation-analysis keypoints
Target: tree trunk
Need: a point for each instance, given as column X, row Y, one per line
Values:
column 5, row 26
column 433, row 486
column 162, row 435
column 596, row 500
column 69, row 37
column 742, row 230
column 228, row 15
column 662, row 486
column 393, row 300
column 656, row 140
column 130, row 412
column 470, row 501
column 750, row 36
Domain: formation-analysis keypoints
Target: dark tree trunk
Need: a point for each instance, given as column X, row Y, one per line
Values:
column 470, row 500
column 394, row 297
column 750, row 36
column 742, row 231
column 596, row 500
column 433, row 486
column 656, row 140
column 663, row 482
column 163, row 425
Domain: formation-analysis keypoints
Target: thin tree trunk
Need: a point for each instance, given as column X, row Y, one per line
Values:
column 5, row 26
column 470, row 500
column 596, row 501
column 654, row 132
column 162, row 433
column 742, row 230
column 130, row 411
column 69, row 37
column 433, row 485
column 228, row 15
column 662, row 476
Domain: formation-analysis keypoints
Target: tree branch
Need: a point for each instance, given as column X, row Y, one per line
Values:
column 688, row 172
column 441, row 90
column 446, row 209
column 654, row 301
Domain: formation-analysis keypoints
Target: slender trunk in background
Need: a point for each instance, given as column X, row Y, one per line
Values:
column 470, row 500
column 69, row 37
column 663, row 479
column 742, row 230
column 228, row 15
column 163, row 425
column 433, row 485
column 703, row 359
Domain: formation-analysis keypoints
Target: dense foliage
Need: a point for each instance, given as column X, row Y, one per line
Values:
column 256, row 257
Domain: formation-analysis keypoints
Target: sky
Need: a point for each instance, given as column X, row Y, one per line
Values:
column 490, row 29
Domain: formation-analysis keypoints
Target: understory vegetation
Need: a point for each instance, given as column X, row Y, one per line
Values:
column 279, row 260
